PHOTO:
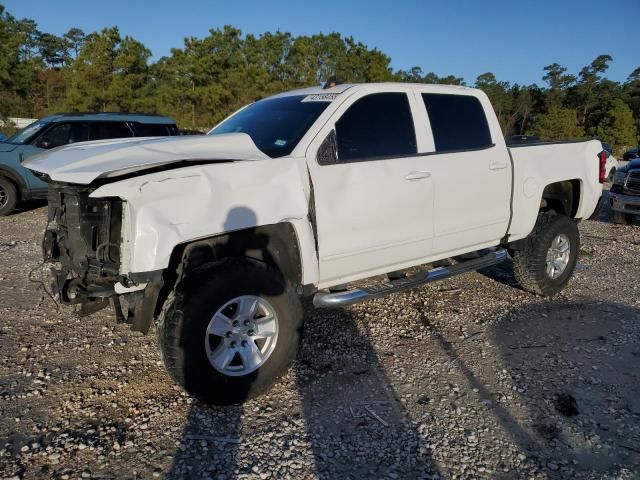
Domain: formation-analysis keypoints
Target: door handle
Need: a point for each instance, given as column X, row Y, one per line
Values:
column 417, row 175
column 498, row 166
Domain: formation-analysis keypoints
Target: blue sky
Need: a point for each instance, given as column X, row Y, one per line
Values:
column 513, row 39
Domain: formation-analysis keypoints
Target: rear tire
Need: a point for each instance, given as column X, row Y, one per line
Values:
column 209, row 359
column 622, row 218
column 545, row 261
column 8, row 196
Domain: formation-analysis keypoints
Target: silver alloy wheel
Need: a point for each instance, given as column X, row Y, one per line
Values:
column 558, row 256
column 4, row 197
column 241, row 335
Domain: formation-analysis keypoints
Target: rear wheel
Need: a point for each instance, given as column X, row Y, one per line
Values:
column 546, row 260
column 230, row 331
column 8, row 196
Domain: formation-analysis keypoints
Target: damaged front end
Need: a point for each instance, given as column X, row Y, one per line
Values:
column 83, row 242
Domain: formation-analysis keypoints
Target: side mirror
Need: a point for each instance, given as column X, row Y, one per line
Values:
column 328, row 151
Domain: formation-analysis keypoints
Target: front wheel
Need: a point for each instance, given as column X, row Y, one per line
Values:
column 8, row 196
column 546, row 260
column 228, row 332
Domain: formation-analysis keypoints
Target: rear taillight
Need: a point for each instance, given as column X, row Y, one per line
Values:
column 602, row 160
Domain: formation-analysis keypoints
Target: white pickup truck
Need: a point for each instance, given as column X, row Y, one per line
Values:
column 218, row 238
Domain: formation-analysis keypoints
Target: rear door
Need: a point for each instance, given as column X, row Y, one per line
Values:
column 471, row 171
column 373, row 196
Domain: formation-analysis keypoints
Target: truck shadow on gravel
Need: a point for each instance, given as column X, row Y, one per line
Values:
column 348, row 416
column 575, row 367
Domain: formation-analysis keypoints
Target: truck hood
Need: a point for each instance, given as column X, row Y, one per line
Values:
column 84, row 162
column 632, row 164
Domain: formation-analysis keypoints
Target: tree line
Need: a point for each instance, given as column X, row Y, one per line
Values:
column 208, row 78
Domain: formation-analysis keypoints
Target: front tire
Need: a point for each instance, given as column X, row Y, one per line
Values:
column 546, row 260
column 8, row 196
column 229, row 331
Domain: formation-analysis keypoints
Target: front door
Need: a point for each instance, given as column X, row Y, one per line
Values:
column 373, row 195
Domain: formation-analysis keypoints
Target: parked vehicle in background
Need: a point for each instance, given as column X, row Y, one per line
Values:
column 624, row 194
column 612, row 162
column 17, row 184
column 219, row 237
column 631, row 154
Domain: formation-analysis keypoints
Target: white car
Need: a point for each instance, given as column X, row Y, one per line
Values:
column 218, row 238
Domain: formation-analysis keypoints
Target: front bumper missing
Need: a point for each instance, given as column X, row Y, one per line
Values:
column 141, row 298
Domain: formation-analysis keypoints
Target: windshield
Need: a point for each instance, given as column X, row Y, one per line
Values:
column 22, row 136
column 275, row 125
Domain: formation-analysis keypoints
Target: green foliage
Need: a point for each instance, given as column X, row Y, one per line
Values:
column 558, row 123
column 208, row 78
column 618, row 127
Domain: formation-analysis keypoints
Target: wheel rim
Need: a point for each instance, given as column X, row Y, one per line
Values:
column 241, row 335
column 4, row 197
column 558, row 256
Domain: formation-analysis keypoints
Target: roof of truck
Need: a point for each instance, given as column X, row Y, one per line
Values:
column 338, row 89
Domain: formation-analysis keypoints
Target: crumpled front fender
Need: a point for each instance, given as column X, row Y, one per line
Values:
column 171, row 207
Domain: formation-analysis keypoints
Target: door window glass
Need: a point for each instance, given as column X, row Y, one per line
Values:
column 379, row 125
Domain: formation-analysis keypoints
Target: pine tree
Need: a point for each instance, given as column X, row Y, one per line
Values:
column 618, row 127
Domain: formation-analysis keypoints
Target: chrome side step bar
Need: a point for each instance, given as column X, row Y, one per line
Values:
column 349, row 297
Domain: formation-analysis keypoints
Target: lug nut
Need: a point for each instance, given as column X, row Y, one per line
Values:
column 244, row 343
column 246, row 323
column 228, row 334
column 235, row 323
column 233, row 344
column 250, row 333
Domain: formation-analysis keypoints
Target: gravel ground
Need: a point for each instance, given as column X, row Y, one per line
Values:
column 467, row 378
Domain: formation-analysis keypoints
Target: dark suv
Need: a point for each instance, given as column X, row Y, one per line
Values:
column 19, row 184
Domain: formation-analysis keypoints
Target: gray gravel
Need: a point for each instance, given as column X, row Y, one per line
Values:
column 467, row 378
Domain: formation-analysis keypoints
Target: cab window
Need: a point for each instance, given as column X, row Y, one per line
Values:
column 458, row 122
column 379, row 125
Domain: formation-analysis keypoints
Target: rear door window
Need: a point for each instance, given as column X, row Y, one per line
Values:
column 153, row 129
column 458, row 122
column 379, row 125
column 107, row 130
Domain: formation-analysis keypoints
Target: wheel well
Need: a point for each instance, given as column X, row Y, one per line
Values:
column 563, row 197
column 276, row 245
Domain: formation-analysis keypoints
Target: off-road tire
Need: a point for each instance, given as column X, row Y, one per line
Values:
column 529, row 259
column 187, row 311
column 622, row 218
column 8, row 188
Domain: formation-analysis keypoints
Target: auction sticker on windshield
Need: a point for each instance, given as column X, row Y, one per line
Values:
column 320, row 97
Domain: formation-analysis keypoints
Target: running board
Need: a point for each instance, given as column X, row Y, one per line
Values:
column 350, row 297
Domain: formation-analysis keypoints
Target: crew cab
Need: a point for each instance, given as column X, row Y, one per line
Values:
column 17, row 184
column 216, row 239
